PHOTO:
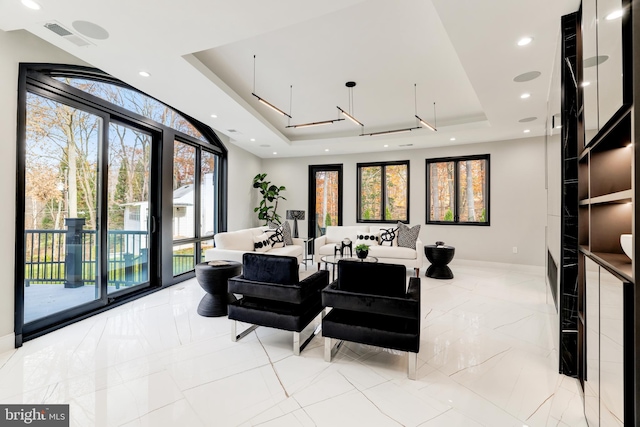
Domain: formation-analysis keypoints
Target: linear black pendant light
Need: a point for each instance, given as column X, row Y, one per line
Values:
column 311, row 124
column 423, row 122
column 348, row 115
column 262, row 100
column 404, row 130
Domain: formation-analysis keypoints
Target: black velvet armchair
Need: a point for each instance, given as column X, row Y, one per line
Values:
column 273, row 296
column 371, row 305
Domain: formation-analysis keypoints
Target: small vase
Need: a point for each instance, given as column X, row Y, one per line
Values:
column 362, row 254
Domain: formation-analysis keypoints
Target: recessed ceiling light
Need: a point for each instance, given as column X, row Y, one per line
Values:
column 31, row 4
column 585, row 84
column 275, row 152
column 610, row 17
column 527, row 131
column 252, row 139
column 326, row 149
column 558, row 126
column 214, row 116
column 525, row 95
column 144, row 74
column 525, row 41
column 452, row 139
column 386, row 145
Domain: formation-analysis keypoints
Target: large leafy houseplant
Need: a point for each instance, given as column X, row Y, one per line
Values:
column 270, row 196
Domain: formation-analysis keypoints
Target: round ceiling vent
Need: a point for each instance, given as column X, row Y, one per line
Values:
column 90, row 29
column 525, row 77
column 594, row 60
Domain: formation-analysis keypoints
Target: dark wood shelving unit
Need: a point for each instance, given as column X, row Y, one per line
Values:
column 607, row 190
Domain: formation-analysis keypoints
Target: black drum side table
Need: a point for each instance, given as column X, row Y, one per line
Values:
column 439, row 257
column 213, row 279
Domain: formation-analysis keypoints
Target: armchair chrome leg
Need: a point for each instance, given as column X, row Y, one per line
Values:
column 297, row 347
column 329, row 349
column 412, row 363
column 234, row 334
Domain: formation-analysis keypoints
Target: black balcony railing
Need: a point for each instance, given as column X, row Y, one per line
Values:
column 70, row 257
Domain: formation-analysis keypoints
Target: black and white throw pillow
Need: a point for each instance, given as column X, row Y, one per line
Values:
column 388, row 236
column 371, row 239
column 276, row 237
column 407, row 236
column 286, row 231
column 261, row 243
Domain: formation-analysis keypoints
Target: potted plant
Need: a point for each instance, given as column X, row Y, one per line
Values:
column 270, row 196
column 362, row 251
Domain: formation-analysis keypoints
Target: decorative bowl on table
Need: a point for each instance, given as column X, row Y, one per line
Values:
column 626, row 241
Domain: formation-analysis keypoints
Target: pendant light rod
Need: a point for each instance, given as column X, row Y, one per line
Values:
column 308, row 125
column 421, row 121
column 262, row 100
column 388, row 132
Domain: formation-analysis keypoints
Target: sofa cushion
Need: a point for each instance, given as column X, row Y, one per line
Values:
column 392, row 252
column 261, row 243
column 276, row 236
column 407, row 236
column 372, row 278
column 293, row 250
column 241, row 240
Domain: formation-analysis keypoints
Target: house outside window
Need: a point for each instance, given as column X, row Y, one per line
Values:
column 458, row 190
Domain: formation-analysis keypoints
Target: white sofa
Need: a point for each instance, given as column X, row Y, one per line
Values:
column 325, row 245
column 231, row 245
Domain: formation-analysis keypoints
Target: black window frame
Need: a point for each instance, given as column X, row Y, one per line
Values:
column 38, row 78
column 383, row 190
column 456, row 216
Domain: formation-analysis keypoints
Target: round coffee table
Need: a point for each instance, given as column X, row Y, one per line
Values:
column 439, row 257
column 333, row 260
column 213, row 279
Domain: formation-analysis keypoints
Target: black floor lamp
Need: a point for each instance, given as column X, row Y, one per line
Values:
column 295, row 216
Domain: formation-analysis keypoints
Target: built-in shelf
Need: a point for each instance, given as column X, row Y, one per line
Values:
column 617, row 264
column 625, row 196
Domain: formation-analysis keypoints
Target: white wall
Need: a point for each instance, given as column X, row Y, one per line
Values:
column 242, row 197
column 15, row 47
column 518, row 197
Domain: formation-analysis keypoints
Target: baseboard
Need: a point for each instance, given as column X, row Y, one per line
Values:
column 7, row 343
column 523, row 268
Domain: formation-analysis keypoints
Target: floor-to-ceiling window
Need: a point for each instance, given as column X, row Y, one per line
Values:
column 96, row 197
column 325, row 198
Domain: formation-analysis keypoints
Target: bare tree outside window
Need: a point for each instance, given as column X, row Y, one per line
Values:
column 458, row 190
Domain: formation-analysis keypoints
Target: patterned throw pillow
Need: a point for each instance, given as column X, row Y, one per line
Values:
column 261, row 243
column 407, row 236
column 388, row 236
column 370, row 239
column 286, row 231
column 276, row 237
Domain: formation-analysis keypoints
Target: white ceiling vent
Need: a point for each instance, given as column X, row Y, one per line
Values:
column 66, row 34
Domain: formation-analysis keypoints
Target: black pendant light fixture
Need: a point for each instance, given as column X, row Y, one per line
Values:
column 310, row 124
column 423, row 122
column 404, row 130
column 262, row 100
column 348, row 115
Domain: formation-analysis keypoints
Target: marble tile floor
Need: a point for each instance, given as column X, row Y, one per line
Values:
column 488, row 357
